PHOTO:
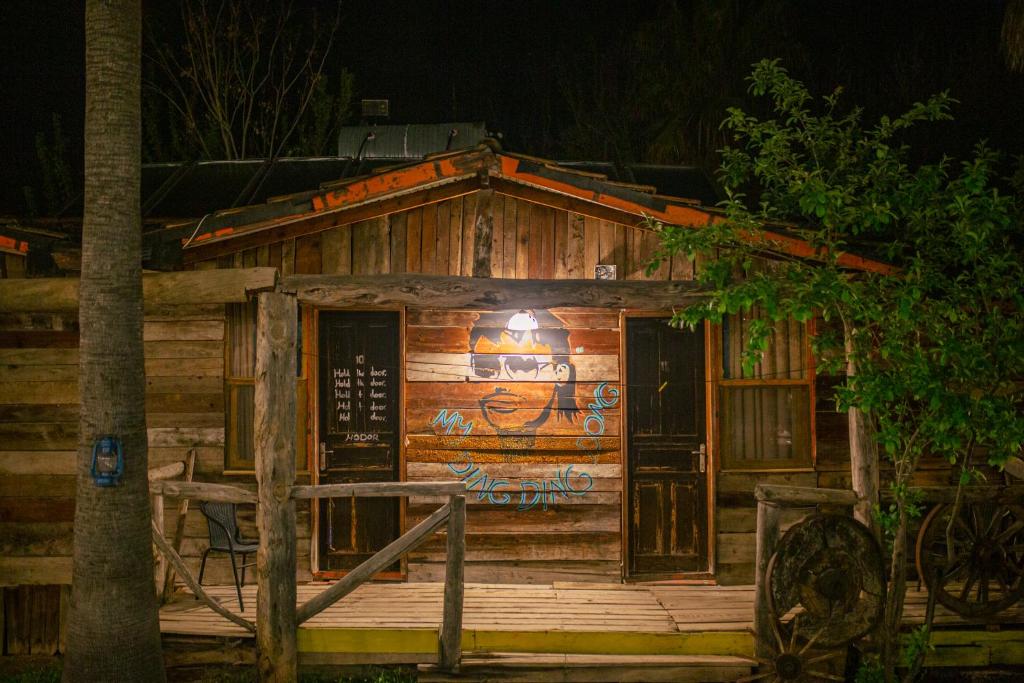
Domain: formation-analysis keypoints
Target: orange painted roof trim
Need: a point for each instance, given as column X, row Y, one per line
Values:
column 483, row 161
column 10, row 244
column 686, row 216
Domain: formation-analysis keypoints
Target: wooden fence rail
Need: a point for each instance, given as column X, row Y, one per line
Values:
column 452, row 514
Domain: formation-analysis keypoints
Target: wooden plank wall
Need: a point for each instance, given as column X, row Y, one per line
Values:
column 545, row 502
column 532, row 241
column 184, row 347
column 529, row 241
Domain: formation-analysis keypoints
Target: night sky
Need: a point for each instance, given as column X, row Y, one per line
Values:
column 508, row 63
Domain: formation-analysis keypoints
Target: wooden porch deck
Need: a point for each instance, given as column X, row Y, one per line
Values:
column 398, row 623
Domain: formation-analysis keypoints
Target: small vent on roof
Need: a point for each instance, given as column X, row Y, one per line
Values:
column 375, row 109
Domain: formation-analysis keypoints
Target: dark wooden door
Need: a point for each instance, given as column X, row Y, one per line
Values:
column 668, row 520
column 358, row 435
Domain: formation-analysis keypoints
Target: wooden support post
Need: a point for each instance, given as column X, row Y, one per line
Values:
column 274, row 433
column 767, row 538
column 179, row 527
column 454, row 586
column 483, row 233
column 863, row 450
column 157, row 501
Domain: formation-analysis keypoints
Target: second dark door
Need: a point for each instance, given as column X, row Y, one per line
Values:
column 666, row 423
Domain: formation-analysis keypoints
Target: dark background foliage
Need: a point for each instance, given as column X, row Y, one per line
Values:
column 573, row 79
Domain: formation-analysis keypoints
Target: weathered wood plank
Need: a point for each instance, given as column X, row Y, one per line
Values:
column 183, row 330
column 428, row 239
column 569, row 318
column 202, row 491
column 457, row 292
column 413, row 248
column 336, row 250
column 455, row 237
column 483, row 233
column 379, row 489
column 498, row 235
column 159, row 289
column 288, row 257
column 799, row 495
column 524, row 210
column 456, row 340
column 398, row 242
column 509, row 230
column 443, row 230
column 458, row 367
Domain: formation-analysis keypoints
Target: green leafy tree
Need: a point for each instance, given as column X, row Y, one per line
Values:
column 931, row 347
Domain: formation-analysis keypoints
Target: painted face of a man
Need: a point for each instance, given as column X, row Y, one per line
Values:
column 533, row 365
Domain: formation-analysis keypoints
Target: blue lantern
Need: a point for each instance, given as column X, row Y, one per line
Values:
column 107, row 461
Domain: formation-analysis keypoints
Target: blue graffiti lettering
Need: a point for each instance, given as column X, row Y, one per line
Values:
column 531, row 493
column 547, row 491
column 451, row 422
column 593, row 424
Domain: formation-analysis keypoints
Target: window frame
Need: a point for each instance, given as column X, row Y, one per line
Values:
column 233, row 464
column 721, row 386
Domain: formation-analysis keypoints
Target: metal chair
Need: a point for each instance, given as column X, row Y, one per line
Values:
column 225, row 537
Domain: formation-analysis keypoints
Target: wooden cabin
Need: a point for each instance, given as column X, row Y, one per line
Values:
column 451, row 328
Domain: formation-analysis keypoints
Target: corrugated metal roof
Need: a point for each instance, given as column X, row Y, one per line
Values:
column 413, row 141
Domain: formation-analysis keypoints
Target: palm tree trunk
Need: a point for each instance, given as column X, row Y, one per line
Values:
column 113, row 629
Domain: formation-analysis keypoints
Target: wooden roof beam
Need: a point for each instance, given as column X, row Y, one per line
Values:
column 450, row 292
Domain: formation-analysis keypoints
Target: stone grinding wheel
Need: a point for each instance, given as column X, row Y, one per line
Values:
column 831, row 567
column 974, row 566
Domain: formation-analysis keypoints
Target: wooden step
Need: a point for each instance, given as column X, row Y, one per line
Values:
column 528, row 667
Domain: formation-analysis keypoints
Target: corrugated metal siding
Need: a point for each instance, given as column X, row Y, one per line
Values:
column 412, row 141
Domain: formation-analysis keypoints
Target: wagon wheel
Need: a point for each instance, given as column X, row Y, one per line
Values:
column 831, row 567
column 793, row 663
column 981, row 570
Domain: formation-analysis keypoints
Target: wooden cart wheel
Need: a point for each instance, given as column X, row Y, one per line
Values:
column 975, row 566
column 831, row 568
column 792, row 662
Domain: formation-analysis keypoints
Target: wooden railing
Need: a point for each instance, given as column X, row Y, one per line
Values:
column 164, row 570
column 160, row 487
column 452, row 514
column 274, row 429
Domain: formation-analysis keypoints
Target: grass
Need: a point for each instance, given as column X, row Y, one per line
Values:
column 45, row 675
column 249, row 676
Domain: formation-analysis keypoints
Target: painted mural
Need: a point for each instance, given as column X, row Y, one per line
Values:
column 524, row 381
column 526, row 357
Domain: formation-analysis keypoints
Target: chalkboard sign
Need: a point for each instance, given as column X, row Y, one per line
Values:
column 359, row 387
column 359, row 377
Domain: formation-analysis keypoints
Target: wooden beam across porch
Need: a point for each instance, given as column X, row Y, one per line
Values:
column 441, row 291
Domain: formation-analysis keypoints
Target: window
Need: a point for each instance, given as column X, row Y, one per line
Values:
column 240, row 385
column 765, row 412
